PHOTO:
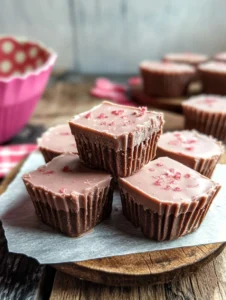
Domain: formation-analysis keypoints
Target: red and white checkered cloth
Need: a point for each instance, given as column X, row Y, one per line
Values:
column 12, row 154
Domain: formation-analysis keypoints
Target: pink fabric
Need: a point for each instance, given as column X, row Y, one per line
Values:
column 12, row 154
column 106, row 89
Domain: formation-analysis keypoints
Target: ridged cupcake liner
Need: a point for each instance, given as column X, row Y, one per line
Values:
column 3, row 242
column 74, row 219
column 166, row 85
column 204, row 166
column 213, row 124
column 173, row 223
column 213, row 83
column 121, row 163
column 48, row 154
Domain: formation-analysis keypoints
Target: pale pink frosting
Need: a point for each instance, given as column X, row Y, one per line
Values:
column 208, row 103
column 168, row 181
column 221, row 55
column 166, row 67
column 190, row 143
column 59, row 139
column 116, row 120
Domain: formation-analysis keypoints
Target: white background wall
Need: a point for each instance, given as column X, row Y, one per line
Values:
column 113, row 36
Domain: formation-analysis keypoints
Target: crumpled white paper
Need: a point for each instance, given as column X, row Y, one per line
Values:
column 115, row 236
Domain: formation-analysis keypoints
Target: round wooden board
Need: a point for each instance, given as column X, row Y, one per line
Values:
column 143, row 268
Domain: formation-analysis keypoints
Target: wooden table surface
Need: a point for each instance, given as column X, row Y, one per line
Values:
column 23, row 278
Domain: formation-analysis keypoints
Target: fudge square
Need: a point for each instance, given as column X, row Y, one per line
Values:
column 119, row 139
column 166, row 199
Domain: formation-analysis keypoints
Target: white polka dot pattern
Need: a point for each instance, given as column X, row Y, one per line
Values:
column 20, row 57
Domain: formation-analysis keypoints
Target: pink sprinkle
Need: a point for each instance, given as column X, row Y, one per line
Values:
column 177, row 134
column 65, row 133
column 151, row 169
column 159, row 164
column 193, row 186
column 157, row 182
column 48, row 172
column 118, row 112
column 189, row 148
column 66, row 169
column 88, row 115
column 111, row 124
column 177, row 175
column 167, row 187
column 103, row 123
column 187, row 175
column 102, row 116
column 62, row 190
column 177, row 189
column 192, row 140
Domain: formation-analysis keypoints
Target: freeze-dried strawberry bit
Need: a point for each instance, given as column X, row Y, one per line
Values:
column 172, row 170
column 66, row 169
column 151, row 169
column 177, row 134
column 167, row 187
column 48, row 172
column 102, row 116
column 142, row 110
column 192, row 140
column 118, row 112
column 88, row 115
column 103, row 123
column 157, row 183
column 159, row 164
column 63, row 191
column 177, row 189
column 111, row 124
column 193, row 185
column 189, row 148
column 124, row 117
column 42, row 169
column 171, row 181
column 177, row 176
column 65, row 133
column 187, row 175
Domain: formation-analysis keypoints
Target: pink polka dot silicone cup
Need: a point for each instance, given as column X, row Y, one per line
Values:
column 25, row 67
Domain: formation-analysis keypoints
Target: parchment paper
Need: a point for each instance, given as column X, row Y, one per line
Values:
column 115, row 236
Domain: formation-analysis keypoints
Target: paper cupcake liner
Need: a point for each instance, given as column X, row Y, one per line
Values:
column 166, row 85
column 213, row 83
column 204, row 166
column 74, row 219
column 48, row 154
column 170, row 225
column 213, row 124
column 121, row 163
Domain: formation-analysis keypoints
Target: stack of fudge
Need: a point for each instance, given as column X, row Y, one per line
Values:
column 163, row 179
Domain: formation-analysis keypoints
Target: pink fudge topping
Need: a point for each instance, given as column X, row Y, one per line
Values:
column 166, row 180
column 213, row 66
column 166, row 67
column 58, row 139
column 190, row 143
column 192, row 58
column 208, row 103
column 220, row 56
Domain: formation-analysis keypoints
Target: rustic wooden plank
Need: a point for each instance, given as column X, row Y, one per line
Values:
column 47, row 21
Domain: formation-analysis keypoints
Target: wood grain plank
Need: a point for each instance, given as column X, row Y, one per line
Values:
column 47, row 21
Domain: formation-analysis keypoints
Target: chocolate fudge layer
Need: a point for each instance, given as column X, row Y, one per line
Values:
column 56, row 141
column 192, row 59
column 195, row 150
column 213, row 76
column 207, row 114
column 68, row 196
column 166, row 199
column 119, row 139
column 165, row 79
